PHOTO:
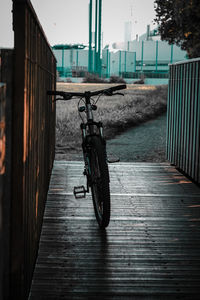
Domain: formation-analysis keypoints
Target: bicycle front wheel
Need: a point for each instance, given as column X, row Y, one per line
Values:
column 100, row 182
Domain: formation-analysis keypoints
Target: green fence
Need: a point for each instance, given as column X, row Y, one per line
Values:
column 144, row 74
column 183, row 130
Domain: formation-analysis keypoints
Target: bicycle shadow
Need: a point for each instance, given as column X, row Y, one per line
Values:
column 99, row 272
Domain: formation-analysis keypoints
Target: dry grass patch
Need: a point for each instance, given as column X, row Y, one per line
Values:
column 117, row 113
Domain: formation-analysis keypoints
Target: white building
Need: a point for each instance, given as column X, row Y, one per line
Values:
column 152, row 58
column 152, row 54
column 147, row 55
column 118, row 62
column 127, row 33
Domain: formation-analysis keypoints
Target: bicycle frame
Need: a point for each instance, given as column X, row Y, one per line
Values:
column 94, row 153
column 88, row 130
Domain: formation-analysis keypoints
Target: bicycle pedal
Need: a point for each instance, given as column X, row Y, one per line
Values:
column 79, row 192
column 112, row 159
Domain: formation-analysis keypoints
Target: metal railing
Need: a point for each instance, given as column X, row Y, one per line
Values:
column 144, row 74
column 183, row 130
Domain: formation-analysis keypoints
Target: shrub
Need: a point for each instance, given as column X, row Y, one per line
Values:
column 140, row 81
column 93, row 78
column 116, row 79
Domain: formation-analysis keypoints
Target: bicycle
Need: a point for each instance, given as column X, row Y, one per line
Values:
column 94, row 152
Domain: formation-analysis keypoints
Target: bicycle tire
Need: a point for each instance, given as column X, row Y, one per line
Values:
column 100, row 186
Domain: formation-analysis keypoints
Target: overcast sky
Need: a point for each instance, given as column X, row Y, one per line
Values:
column 66, row 21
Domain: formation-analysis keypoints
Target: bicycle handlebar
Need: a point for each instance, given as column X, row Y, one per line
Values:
column 65, row 95
column 109, row 91
column 69, row 95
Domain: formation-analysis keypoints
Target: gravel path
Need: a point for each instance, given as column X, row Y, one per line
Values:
column 145, row 142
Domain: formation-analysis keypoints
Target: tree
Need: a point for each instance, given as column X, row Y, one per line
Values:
column 179, row 23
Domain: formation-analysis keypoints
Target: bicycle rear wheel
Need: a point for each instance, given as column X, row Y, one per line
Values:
column 100, row 182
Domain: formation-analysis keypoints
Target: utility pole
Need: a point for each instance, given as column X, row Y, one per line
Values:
column 90, row 38
column 96, row 35
column 97, row 48
column 99, row 40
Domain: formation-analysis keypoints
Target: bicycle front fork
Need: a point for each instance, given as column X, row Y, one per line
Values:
column 90, row 127
column 80, row 191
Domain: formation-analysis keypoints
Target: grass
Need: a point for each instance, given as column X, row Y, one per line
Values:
column 117, row 113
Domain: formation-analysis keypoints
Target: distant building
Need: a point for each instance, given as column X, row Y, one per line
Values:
column 152, row 57
column 127, row 33
column 147, row 56
column 118, row 62
column 152, row 54
column 72, row 60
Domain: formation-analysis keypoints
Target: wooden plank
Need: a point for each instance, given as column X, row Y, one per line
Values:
column 151, row 249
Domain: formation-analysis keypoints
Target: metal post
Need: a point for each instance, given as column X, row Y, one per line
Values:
column 134, row 61
column 63, row 62
column 171, row 60
column 99, row 37
column 90, row 38
column 125, row 63
column 77, row 57
column 142, row 55
column 156, row 56
column 107, row 63
column 120, row 56
column 77, row 69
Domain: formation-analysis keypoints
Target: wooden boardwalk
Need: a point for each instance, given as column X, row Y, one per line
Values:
column 151, row 249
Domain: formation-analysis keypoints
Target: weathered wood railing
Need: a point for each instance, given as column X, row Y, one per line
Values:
column 31, row 146
column 2, row 172
column 6, row 75
column 2, row 127
column 183, row 133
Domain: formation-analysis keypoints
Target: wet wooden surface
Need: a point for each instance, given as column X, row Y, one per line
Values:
column 151, row 249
